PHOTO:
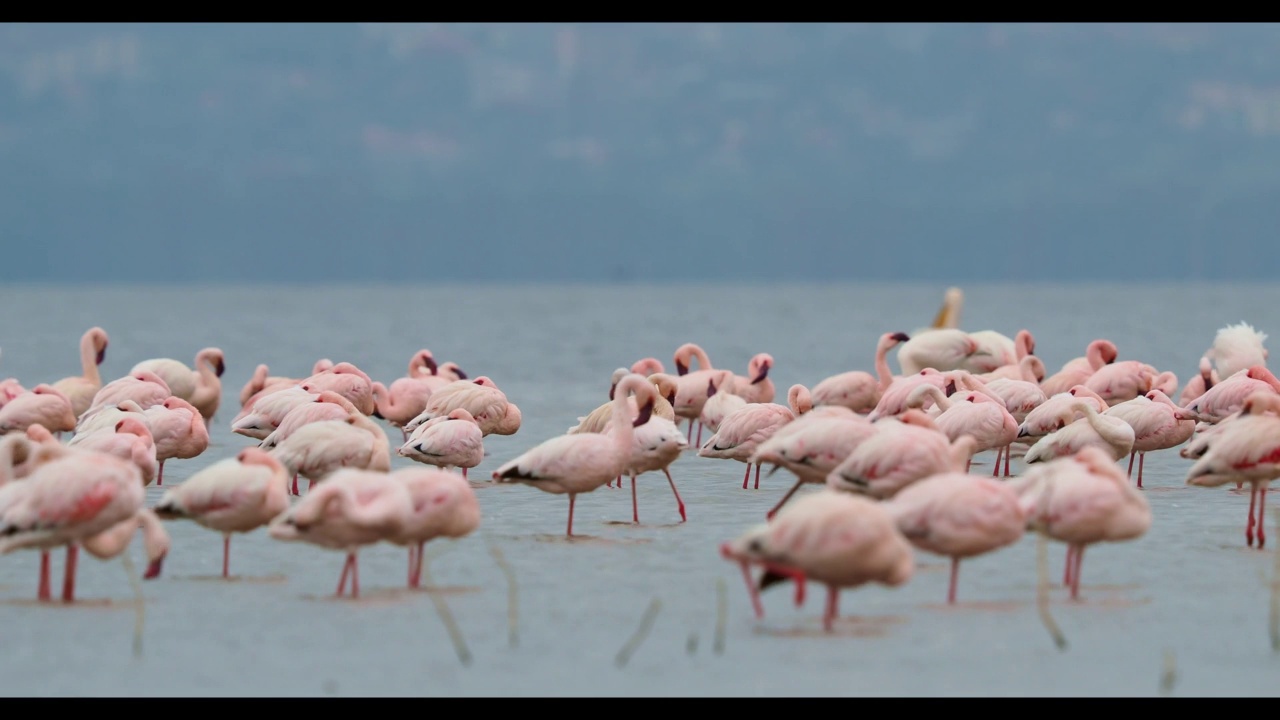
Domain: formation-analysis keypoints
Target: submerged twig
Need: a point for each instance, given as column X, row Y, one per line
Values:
column 1275, row 595
column 455, row 634
column 139, row 614
column 722, row 613
column 513, row 624
column 1169, row 674
column 646, row 623
column 1042, row 590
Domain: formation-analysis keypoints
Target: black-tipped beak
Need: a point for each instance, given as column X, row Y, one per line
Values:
column 901, row 337
column 430, row 362
column 102, row 355
column 221, row 368
column 681, row 368
column 711, row 389
column 672, row 399
column 153, row 570
column 764, row 373
column 377, row 414
column 461, row 375
column 951, row 388
column 613, row 390
column 646, row 411
column 1022, row 432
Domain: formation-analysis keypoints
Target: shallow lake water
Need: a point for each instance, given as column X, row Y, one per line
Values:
column 1184, row 610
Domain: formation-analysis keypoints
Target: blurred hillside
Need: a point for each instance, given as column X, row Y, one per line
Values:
column 638, row 152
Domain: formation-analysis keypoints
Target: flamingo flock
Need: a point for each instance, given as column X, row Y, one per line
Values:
column 890, row 453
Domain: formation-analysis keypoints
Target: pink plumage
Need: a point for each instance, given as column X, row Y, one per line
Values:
column 43, row 405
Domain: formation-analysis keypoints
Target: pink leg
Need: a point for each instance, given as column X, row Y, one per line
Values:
column 699, row 433
column 464, row 473
column 833, row 608
column 1262, row 502
column 1075, row 573
column 1248, row 529
column 569, row 530
column 968, row 464
column 1131, row 456
column 955, row 573
column 689, row 438
column 412, row 565
column 44, row 592
column 785, row 498
column 995, row 471
column 1066, row 571
column 69, row 577
column 417, row 572
column 342, row 581
column 679, row 502
column 751, row 590
column 355, row 576
column 160, row 475
column 757, row 487
column 1142, row 458
column 797, row 576
column 635, row 508
column 295, row 484
column 746, row 476
column 1008, row 451
column 226, row 555
column 405, row 434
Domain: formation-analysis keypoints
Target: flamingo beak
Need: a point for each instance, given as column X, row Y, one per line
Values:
column 901, row 337
column 153, row 570
column 222, row 367
column 102, row 354
column 681, row 368
column 725, row 551
column 764, row 373
column 430, row 362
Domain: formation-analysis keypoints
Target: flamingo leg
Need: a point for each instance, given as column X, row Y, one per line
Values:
column 1262, row 501
column 1248, row 528
column 757, row 487
column 1131, row 456
column 226, row 555
column 796, row 576
column 295, row 484
column 751, row 589
column 679, row 502
column 69, row 576
column 1008, row 451
column 160, row 474
column 995, row 471
column 342, row 581
column 968, row 464
column 464, row 473
column 1066, row 571
column 412, row 565
column 785, row 498
column 569, row 530
column 1075, row 573
column 355, row 576
column 833, row 608
column 44, row 592
column 405, row 434
column 689, row 438
column 635, row 507
column 1142, row 458
column 699, row 433
column 422, row 559
column 955, row 573
column 746, row 476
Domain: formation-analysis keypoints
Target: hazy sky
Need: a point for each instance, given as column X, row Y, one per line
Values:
column 421, row 153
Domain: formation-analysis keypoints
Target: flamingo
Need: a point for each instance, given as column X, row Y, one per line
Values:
column 597, row 420
column 648, row 366
column 755, row 386
column 317, row 449
column 20, row 455
column 10, row 388
column 996, row 351
column 692, row 386
column 959, row 516
column 443, row 505
column 655, row 444
column 179, row 430
column 838, row 539
column 1157, row 424
column 975, row 414
column 1020, row 397
column 1229, row 395
column 407, row 396
column 1029, row 369
column 80, row 389
column 580, row 463
column 263, row 384
column 104, row 417
column 1077, row 371
column 859, row 390
column 144, row 387
column 328, row 405
column 942, row 350
column 202, row 387
column 1048, row 415
column 1117, row 382
column 260, row 419
column 449, row 441
column 351, row 509
column 903, row 450
column 130, row 440
column 43, row 405
column 742, row 431
column 1246, row 451
column 348, row 381
column 495, row 414
column 721, row 400
column 1200, row 383
column 235, row 495
column 813, row 451
column 1106, row 432
column 1082, row 499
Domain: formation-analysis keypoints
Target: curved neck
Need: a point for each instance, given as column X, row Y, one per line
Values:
column 799, row 400
column 1094, row 356
column 89, row 360
column 883, row 373
column 383, row 399
column 962, row 452
column 1026, row 365
column 916, row 399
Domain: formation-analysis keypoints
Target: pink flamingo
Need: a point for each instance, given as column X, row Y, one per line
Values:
column 1247, row 451
column 1106, row 432
column 656, row 444
column 959, row 516
column 328, row 405
column 1028, row 369
column 443, row 506
column 1122, row 381
column 1229, row 395
column 648, row 366
column 755, row 386
column 838, row 539
column 721, row 400
column 859, row 390
column 691, row 392
column 894, row 400
column 1237, row 347
column 903, row 450
column 1166, row 382
column 179, row 431
column 145, row 388
column 130, row 440
column 449, row 441
column 20, row 455
column 1157, row 424
column 996, row 351
column 10, row 389
column 407, row 396
column 1020, row 397
column 1077, row 371
column 580, row 463
column 318, row 449
column 742, row 431
column 493, row 412
column 67, row 500
column 261, row 418
column 1200, row 383
column 348, row 381
column 80, row 389
column 1080, row 500
column 975, row 414
column 597, row 420
column 263, row 384
column 351, row 509
column 940, row 349
column 235, row 495
column 112, row 542
column 1048, row 416
column 105, row 417
column 811, row 453
column 44, row 405
column 202, row 387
